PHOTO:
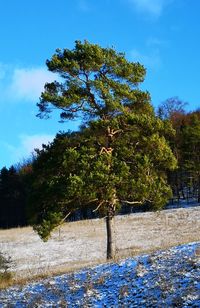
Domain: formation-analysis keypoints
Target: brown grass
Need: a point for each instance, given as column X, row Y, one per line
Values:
column 6, row 279
column 80, row 244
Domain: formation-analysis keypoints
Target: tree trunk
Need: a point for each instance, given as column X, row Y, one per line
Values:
column 111, row 206
column 110, row 236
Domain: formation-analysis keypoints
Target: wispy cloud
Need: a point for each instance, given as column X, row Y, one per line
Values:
column 151, row 60
column 22, row 84
column 152, row 7
column 27, row 144
column 31, row 142
column 28, row 83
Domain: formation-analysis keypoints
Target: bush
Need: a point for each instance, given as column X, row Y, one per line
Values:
column 5, row 275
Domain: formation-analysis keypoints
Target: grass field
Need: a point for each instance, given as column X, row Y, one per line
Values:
column 79, row 244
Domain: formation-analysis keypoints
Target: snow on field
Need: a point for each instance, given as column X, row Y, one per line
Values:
column 83, row 243
column 167, row 278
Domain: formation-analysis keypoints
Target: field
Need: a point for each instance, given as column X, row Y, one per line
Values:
column 79, row 244
column 168, row 278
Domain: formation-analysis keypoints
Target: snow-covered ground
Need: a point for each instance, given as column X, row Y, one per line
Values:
column 168, row 278
column 83, row 243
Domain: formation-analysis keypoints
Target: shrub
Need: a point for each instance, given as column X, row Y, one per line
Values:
column 5, row 275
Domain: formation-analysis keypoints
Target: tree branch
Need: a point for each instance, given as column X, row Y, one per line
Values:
column 131, row 202
column 98, row 206
column 62, row 221
column 135, row 202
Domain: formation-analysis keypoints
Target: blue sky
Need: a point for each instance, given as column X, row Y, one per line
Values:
column 161, row 34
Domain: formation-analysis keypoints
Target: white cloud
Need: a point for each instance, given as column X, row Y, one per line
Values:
column 30, row 142
column 27, row 144
column 28, row 83
column 152, row 7
column 152, row 60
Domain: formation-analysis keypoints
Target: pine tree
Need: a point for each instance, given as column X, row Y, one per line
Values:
column 119, row 156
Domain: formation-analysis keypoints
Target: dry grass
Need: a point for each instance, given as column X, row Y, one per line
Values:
column 80, row 244
column 6, row 280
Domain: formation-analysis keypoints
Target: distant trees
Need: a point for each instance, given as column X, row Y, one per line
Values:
column 188, row 152
column 14, row 188
column 171, row 107
column 185, row 181
column 119, row 156
column 12, row 198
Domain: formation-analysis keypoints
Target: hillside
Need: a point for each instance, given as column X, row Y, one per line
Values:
column 167, row 278
column 79, row 244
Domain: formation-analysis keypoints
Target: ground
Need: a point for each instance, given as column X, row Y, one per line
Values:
column 79, row 244
column 168, row 278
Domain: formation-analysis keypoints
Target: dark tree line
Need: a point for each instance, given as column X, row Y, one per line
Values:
column 15, row 187
column 12, row 198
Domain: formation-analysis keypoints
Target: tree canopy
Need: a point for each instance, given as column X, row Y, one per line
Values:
column 96, row 83
column 119, row 155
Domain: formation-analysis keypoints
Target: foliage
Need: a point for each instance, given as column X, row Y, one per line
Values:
column 70, row 173
column 97, row 83
column 187, row 149
column 118, row 156
column 185, row 181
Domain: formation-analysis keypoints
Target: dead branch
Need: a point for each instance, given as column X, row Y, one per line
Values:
column 98, row 206
column 106, row 150
column 63, row 220
column 131, row 202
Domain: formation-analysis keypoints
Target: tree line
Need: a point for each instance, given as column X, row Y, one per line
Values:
column 185, row 144
column 124, row 154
